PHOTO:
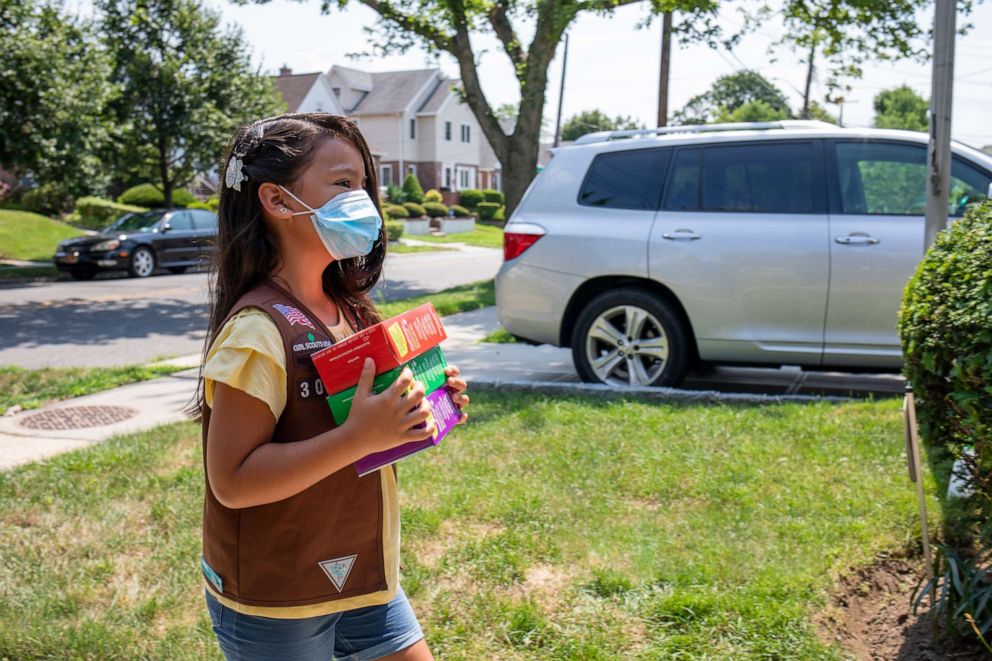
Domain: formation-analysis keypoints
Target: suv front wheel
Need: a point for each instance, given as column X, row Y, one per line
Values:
column 630, row 337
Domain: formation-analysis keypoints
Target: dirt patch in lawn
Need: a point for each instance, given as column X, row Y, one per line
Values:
column 869, row 614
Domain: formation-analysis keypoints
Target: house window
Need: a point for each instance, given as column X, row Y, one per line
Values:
column 466, row 137
column 337, row 91
column 411, row 169
column 387, row 174
column 413, row 129
column 447, row 131
column 447, row 177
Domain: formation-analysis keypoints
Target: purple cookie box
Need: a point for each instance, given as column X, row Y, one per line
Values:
column 445, row 413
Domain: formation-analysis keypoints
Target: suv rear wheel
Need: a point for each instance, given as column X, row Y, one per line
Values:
column 630, row 337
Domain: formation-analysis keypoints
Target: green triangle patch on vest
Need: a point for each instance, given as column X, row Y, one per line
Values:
column 338, row 569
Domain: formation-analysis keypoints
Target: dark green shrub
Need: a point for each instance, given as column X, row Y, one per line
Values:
column 470, row 197
column 460, row 211
column 49, row 199
column 395, row 194
column 435, row 209
column 946, row 329
column 493, row 195
column 412, row 190
column 395, row 211
column 394, row 230
column 148, row 195
column 433, row 195
column 97, row 213
column 415, row 210
column 487, row 210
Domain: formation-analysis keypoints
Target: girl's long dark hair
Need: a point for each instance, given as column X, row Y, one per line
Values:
column 277, row 150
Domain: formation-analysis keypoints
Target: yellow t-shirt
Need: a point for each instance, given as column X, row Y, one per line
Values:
column 248, row 355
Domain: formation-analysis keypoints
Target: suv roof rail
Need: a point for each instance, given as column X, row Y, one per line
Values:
column 601, row 136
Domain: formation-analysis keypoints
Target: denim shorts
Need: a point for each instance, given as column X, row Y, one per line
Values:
column 361, row 634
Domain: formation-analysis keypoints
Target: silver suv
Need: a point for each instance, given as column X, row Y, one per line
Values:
column 779, row 243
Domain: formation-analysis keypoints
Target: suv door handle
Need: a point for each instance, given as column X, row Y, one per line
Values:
column 856, row 238
column 681, row 235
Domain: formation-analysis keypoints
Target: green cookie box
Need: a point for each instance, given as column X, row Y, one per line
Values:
column 428, row 368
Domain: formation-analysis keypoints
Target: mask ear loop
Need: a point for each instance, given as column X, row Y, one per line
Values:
column 298, row 213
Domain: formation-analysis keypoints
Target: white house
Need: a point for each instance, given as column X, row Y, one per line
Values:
column 413, row 121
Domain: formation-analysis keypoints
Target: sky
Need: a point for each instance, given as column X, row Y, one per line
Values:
column 612, row 66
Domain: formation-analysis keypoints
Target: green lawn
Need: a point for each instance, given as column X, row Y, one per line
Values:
column 546, row 528
column 402, row 248
column 33, row 388
column 26, row 235
column 447, row 301
column 486, row 236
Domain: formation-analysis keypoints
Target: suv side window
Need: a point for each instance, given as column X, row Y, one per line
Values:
column 625, row 179
column 683, row 185
column 968, row 185
column 761, row 177
column 882, row 178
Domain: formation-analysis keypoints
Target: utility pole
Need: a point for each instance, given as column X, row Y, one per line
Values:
column 561, row 91
column 666, row 65
column 941, row 96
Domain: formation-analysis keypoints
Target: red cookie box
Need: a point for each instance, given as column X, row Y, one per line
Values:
column 390, row 343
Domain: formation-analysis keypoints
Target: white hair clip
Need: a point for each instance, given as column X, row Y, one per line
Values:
column 235, row 174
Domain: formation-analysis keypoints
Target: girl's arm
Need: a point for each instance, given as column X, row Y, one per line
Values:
column 246, row 469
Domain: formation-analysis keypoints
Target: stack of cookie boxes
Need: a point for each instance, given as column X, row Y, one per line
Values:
column 411, row 339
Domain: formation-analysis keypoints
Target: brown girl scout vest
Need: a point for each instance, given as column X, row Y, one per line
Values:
column 315, row 552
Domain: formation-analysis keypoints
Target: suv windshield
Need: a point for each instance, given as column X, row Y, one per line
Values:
column 135, row 222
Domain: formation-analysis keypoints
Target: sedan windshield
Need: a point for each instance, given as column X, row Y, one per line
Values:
column 135, row 222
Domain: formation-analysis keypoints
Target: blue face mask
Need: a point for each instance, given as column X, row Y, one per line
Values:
column 348, row 224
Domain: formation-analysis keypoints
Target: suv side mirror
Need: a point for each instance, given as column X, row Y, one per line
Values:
column 165, row 227
column 988, row 193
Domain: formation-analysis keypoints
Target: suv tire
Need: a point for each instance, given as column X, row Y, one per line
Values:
column 654, row 351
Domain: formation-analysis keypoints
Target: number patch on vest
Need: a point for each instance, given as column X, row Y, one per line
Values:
column 308, row 388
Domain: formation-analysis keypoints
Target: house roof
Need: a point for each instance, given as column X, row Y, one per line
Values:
column 393, row 91
column 295, row 87
column 356, row 78
column 440, row 92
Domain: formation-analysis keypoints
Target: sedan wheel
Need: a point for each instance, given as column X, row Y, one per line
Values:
column 142, row 263
column 630, row 338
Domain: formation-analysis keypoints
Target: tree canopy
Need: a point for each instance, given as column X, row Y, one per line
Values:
column 589, row 121
column 901, row 108
column 729, row 94
column 186, row 83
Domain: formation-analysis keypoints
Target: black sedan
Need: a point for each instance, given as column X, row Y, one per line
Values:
column 174, row 239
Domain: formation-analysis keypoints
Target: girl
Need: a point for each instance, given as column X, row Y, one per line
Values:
column 300, row 555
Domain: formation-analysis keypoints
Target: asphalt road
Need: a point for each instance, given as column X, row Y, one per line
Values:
column 125, row 321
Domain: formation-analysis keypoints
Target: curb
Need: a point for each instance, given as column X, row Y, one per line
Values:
column 659, row 394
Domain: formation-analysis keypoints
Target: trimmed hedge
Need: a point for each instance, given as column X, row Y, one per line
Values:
column 415, row 210
column 394, row 230
column 412, row 192
column 945, row 325
column 97, row 213
column 487, row 210
column 435, row 209
column 460, row 211
column 49, row 199
column 395, row 194
column 470, row 197
column 500, row 214
column 148, row 195
column 395, row 211
column 493, row 195
column 433, row 195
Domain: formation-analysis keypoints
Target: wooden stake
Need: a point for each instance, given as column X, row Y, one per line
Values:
column 913, row 459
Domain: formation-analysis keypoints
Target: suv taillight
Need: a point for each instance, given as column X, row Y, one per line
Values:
column 518, row 237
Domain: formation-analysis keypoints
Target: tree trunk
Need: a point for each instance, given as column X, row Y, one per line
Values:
column 809, row 81
column 163, row 170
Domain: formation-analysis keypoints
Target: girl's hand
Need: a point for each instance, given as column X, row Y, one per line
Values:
column 458, row 385
column 384, row 421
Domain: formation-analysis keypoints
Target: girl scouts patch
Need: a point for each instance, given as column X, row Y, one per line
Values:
column 338, row 569
column 293, row 316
